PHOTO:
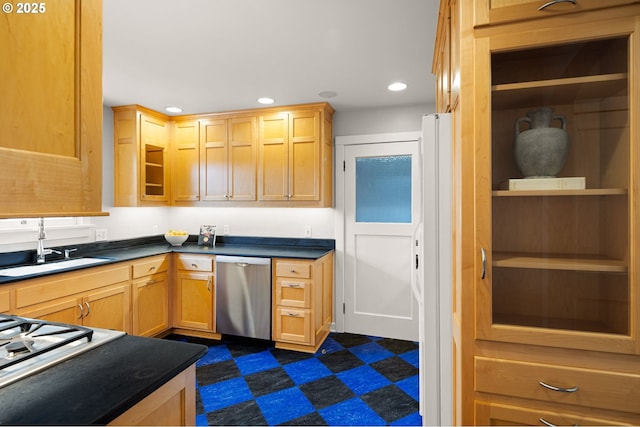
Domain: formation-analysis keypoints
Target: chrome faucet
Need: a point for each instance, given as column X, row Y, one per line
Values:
column 41, row 252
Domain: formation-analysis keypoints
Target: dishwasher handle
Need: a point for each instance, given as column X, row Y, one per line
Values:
column 242, row 261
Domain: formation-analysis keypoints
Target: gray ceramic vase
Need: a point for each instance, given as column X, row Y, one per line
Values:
column 541, row 151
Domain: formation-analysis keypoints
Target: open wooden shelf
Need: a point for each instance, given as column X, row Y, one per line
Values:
column 585, row 192
column 559, row 262
column 557, row 91
column 572, row 325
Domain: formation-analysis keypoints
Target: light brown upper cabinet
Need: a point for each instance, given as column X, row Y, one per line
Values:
column 294, row 157
column 266, row 157
column 141, row 157
column 501, row 11
column 51, row 110
column 228, row 152
column 185, row 157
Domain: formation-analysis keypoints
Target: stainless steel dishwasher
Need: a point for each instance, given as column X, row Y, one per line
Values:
column 243, row 296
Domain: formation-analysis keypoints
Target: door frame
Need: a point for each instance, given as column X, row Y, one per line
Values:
column 340, row 144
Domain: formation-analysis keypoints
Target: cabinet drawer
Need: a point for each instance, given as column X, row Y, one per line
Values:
column 300, row 269
column 194, row 263
column 293, row 293
column 150, row 266
column 46, row 289
column 495, row 414
column 292, row 325
column 494, row 12
column 594, row 388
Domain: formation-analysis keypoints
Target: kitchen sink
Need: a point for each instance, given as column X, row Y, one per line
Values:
column 27, row 270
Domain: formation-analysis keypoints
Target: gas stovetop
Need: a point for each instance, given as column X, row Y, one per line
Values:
column 28, row 346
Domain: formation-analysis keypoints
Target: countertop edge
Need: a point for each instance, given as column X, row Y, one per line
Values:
column 119, row 251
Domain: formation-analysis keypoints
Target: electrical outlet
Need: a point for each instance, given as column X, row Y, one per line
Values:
column 307, row 231
column 225, row 230
column 101, row 234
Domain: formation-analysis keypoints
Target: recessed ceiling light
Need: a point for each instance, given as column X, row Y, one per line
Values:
column 328, row 94
column 174, row 109
column 397, row 86
column 266, row 101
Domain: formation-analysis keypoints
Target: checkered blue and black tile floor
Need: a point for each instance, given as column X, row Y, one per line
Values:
column 351, row 380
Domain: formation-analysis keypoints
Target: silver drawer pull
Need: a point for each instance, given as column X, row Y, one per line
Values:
column 294, row 285
column 552, row 2
column 560, row 389
column 293, row 314
column 483, row 257
column 194, row 265
column 548, row 424
column 292, row 271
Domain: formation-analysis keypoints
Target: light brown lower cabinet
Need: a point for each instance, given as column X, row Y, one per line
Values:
column 302, row 302
column 176, row 292
column 98, row 297
column 173, row 404
column 604, row 393
column 150, row 289
column 194, row 293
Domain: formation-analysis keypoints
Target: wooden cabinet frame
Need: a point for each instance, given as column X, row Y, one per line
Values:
column 225, row 159
column 302, row 309
column 194, row 293
column 141, row 157
column 506, row 26
column 51, row 120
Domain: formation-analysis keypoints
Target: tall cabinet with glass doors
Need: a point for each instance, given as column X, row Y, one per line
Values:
column 552, row 129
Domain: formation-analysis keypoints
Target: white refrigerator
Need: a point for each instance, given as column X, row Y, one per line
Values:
column 433, row 271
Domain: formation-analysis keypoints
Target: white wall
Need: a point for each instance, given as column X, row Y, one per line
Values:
column 380, row 120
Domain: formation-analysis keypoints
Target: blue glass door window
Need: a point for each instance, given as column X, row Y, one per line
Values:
column 383, row 189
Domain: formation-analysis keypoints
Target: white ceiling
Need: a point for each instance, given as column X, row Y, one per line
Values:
column 220, row 55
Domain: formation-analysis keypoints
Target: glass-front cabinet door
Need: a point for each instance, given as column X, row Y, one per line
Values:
column 557, row 189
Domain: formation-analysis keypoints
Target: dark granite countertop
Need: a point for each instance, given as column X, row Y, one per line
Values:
column 127, row 250
column 97, row 386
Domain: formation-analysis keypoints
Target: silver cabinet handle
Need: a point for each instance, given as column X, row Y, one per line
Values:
column 88, row 309
column 560, row 389
column 552, row 2
column 548, row 424
column 483, row 256
column 81, row 311
column 242, row 264
column 209, row 284
column 293, row 314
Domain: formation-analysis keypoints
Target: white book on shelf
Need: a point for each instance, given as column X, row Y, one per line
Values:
column 564, row 183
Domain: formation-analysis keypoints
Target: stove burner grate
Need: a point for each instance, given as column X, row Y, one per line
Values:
column 24, row 339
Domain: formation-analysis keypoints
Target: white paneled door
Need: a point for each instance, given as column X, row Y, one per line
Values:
column 381, row 211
